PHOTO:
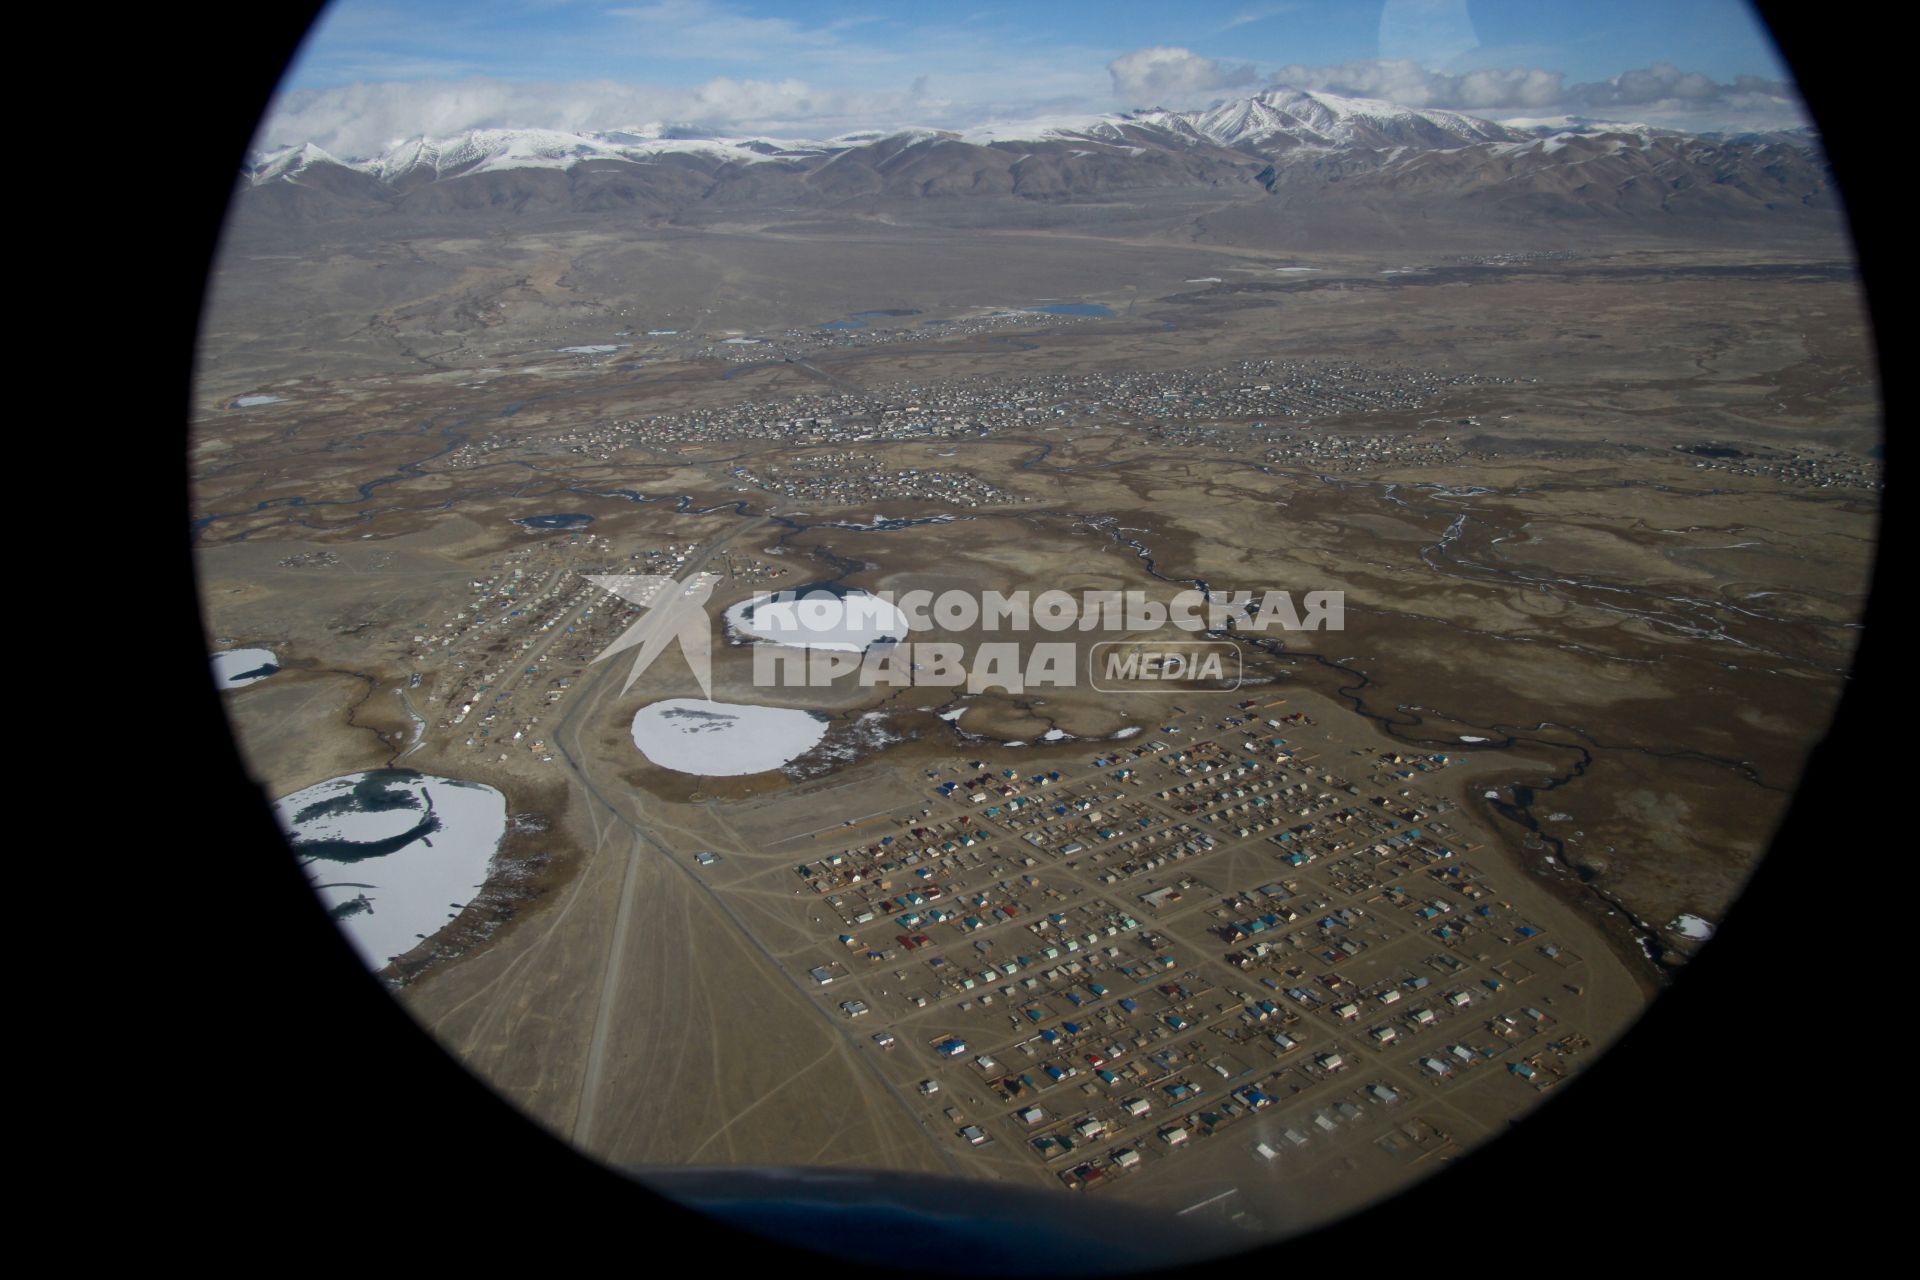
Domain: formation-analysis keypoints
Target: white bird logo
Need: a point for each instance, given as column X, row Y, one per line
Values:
column 675, row 611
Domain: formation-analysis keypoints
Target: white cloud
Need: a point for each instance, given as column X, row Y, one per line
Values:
column 1665, row 95
column 1664, row 82
column 361, row 120
column 1662, row 94
column 1171, row 77
column 1408, row 83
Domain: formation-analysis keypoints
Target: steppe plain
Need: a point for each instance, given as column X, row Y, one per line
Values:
column 1603, row 512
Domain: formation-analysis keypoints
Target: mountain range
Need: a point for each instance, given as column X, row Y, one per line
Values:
column 1291, row 148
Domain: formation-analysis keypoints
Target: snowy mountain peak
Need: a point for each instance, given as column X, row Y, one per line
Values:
column 1276, row 120
column 490, row 150
column 1298, row 145
column 1316, row 118
column 289, row 161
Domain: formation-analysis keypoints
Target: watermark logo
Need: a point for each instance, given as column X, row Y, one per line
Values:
column 676, row 611
column 816, row 638
column 1121, row 666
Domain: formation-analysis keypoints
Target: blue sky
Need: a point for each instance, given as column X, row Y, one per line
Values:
column 374, row 71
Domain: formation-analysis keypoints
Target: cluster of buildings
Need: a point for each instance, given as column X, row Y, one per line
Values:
column 1294, row 391
column 1342, row 453
column 1175, row 407
column 503, row 659
column 1830, row 470
column 1112, row 961
column 320, row 559
column 858, row 477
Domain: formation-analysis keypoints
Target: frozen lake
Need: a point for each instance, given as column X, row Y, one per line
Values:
column 1692, row 926
column 724, row 739
column 392, row 853
column 819, row 617
column 237, row 668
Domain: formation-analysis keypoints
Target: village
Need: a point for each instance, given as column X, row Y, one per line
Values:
column 1098, row 959
column 856, row 919
column 1108, row 963
column 504, row 660
column 1833, row 470
column 1346, row 453
column 1173, row 407
column 855, row 476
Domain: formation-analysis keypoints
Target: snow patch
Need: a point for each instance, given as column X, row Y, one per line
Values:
column 393, row 853
column 724, row 739
column 1691, row 926
column 850, row 622
column 238, row 668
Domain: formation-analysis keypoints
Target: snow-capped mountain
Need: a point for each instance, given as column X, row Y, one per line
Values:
column 1302, row 146
column 495, row 150
column 1277, row 120
column 290, row 162
column 1297, row 117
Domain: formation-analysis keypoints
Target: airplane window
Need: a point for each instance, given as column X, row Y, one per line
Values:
column 1066, row 638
